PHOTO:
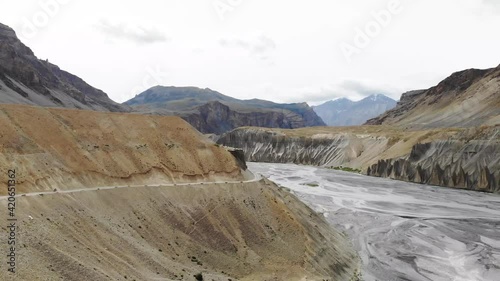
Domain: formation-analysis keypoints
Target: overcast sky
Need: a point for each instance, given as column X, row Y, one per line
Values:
column 280, row 50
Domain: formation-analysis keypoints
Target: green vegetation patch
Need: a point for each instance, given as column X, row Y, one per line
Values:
column 346, row 169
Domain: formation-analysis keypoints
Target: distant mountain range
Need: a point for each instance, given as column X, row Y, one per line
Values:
column 212, row 112
column 467, row 98
column 345, row 112
column 24, row 79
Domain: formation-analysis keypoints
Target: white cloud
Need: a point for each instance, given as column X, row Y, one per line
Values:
column 133, row 32
column 259, row 47
column 423, row 44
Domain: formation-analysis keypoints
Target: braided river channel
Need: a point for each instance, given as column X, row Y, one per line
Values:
column 402, row 231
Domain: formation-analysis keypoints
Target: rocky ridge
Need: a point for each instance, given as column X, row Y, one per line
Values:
column 214, row 113
column 24, row 79
column 467, row 98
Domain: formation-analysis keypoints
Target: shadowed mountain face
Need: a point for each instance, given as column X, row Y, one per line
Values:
column 467, row 98
column 212, row 112
column 344, row 112
column 24, row 79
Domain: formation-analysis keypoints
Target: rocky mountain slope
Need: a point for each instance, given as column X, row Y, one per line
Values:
column 448, row 157
column 240, row 231
column 344, row 112
column 24, row 79
column 467, row 98
column 212, row 112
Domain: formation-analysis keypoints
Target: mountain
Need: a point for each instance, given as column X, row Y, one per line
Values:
column 447, row 135
column 344, row 112
column 103, row 198
column 173, row 99
column 467, row 98
column 212, row 112
column 24, row 79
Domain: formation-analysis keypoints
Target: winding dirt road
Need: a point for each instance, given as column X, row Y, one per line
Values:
column 255, row 179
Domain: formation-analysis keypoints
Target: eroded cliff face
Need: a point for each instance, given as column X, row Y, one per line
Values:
column 265, row 145
column 356, row 147
column 462, row 158
column 462, row 163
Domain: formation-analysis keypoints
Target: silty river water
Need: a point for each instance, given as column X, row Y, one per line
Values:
column 402, row 231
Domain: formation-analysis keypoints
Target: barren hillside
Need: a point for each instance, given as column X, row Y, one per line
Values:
column 232, row 230
column 253, row 231
column 467, row 98
column 66, row 149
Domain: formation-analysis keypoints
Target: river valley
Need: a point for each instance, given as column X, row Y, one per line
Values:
column 402, row 231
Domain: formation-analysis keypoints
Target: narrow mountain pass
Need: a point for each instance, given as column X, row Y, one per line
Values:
column 402, row 231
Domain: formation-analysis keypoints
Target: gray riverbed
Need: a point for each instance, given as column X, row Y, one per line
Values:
column 402, row 231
